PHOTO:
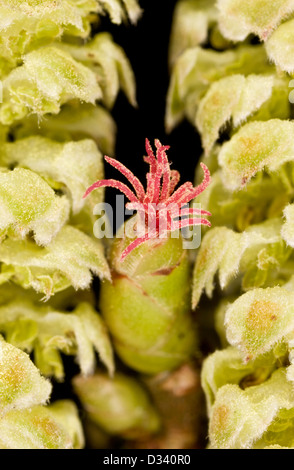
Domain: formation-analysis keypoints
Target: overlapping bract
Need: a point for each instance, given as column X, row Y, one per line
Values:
column 48, row 331
column 55, row 75
column 52, row 427
column 257, row 371
column 61, row 166
column 196, row 68
column 26, row 26
column 109, row 64
column 192, row 19
column 74, row 122
column 233, row 98
column 239, row 18
column 258, row 417
column 257, row 254
column 30, row 205
column 70, row 259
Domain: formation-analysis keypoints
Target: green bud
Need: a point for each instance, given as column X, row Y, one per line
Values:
column 118, row 405
column 147, row 305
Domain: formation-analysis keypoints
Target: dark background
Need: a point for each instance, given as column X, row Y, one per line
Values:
column 146, row 46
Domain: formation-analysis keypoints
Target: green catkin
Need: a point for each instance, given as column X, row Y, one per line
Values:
column 59, row 83
column 248, row 254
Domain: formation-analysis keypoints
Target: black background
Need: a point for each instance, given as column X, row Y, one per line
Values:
column 146, row 45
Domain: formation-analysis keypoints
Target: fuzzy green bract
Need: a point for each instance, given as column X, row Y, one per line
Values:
column 21, row 385
column 28, row 203
column 24, row 422
column 192, row 19
column 61, row 166
column 260, row 319
column 226, row 366
column 256, row 417
column 48, row 78
column 74, row 122
column 280, row 46
column 27, row 25
column 197, row 68
column 256, row 146
column 239, row 18
column 264, row 196
column 60, row 73
column 70, row 259
column 257, row 254
column 39, row 428
column 235, row 97
column 48, row 332
column 109, row 64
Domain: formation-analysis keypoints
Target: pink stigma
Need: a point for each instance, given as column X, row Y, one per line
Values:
column 160, row 191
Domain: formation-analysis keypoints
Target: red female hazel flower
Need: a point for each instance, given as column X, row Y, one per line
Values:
column 160, row 202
